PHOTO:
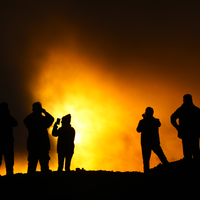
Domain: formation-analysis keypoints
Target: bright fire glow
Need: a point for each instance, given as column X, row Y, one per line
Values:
column 105, row 112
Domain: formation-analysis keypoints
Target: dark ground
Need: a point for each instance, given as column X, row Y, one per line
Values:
column 177, row 180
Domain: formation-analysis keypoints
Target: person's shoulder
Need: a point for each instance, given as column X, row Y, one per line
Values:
column 197, row 108
column 182, row 107
column 178, row 110
column 156, row 119
column 142, row 121
column 72, row 129
column 29, row 116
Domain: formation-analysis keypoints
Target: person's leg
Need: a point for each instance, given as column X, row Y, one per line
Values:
column 32, row 162
column 44, row 161
column 60, row 162
column 159, row 152
column 9, row 161
column 68, row 162
column 187, row 149
column 195, row 148
column 195, row 151
column 1, row 155
column 146, row 154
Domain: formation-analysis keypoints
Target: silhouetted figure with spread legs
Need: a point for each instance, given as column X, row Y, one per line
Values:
column 65, row 145
column 7, row 122
column 38, row 144
column 150, row 140
column 188, row 127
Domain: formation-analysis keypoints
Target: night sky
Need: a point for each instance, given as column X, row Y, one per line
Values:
column 104, row 62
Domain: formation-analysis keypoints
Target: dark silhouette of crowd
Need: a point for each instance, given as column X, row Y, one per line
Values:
column 186, row 119
column 38, row 143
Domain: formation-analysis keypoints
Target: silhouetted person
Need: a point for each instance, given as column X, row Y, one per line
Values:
column 38, row 144
column 188, row 125
column 7, row 122
column 65, row 145
column 150, row 138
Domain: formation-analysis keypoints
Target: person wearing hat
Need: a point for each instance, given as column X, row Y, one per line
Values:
column 150, row 140
column 65, row 143
column 38, row 144
column 7, row 122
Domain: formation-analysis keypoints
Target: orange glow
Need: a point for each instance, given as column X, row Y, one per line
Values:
column 70, row 85
column 105, row 112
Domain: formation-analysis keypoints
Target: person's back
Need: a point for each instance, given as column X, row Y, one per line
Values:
column 189, row 118
column 38, row 143
column 149, row 129
column 65, row 139
column 38, row 135
column 186, row 119
column 37, row 126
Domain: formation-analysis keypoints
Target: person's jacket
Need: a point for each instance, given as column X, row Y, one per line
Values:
column 38, row 138
column 149, row 130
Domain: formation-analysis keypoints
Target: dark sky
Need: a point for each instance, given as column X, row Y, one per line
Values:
column 162, row 35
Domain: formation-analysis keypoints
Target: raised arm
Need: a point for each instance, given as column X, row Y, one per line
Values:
column 55, row 132
column 49, row 118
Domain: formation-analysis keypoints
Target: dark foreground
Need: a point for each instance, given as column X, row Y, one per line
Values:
column 177, row 180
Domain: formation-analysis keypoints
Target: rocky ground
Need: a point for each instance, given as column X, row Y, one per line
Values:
column 177, row 180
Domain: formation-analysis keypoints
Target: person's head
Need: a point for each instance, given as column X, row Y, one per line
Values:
column 37, row 107
column 187, row 99
column 149, row 112
column 66, row 119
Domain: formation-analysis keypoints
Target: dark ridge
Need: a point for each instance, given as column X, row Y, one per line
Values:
column 173, row 181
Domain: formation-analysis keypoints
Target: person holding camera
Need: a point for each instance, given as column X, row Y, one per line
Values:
column 65, row 144
column 38, row 144
column 150, row 140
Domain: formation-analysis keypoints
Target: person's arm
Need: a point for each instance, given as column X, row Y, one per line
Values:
column 13, row 121
column 159, row 124
column 27, row 122
column 73, row 134
column 139, row 127
column 174, row 118
column 49, row 118
column 55, row 131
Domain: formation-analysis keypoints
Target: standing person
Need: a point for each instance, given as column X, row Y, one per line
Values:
column 150, row 138
column 188, row 127
column 7, row 122
column 65, row 145
column 38, row 144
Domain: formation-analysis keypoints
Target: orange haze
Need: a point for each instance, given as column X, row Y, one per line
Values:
column 103, row 62
column 105, row 108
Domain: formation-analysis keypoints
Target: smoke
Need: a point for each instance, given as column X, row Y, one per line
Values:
column 104, row 62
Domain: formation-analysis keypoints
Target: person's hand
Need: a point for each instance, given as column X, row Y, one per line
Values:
column 43, row 110
column 57, row 121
